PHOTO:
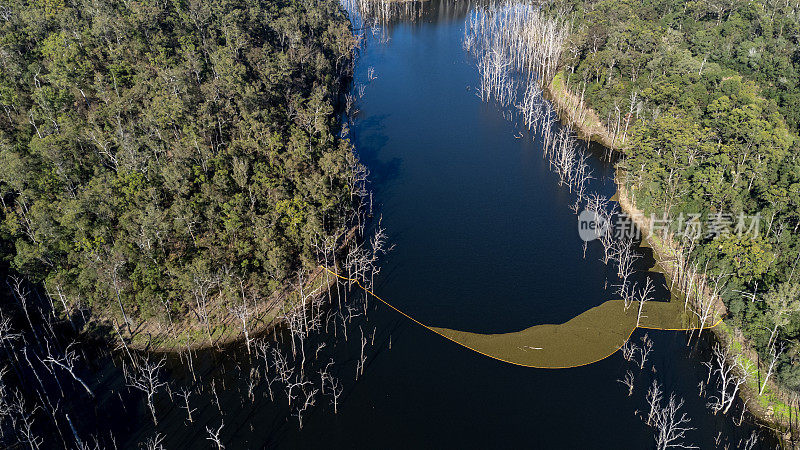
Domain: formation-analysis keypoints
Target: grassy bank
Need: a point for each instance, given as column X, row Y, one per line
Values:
column 170, row 336
column 574, row 111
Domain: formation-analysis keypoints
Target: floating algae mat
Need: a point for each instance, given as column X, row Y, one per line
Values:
column 587, row 338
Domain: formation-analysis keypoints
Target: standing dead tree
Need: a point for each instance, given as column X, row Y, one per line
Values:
column 653, row 397
column 263, row 353
column 252, row 383
column 750, row 443
column 496, row 79
column 629, row 350
column 185, row 393
column 326, row 246
column 146, row 379
column 644, row 296
column 362, row 359
column 731, row 374
column 644, row 350
column 21, row 293
column 624, row 254
column 334, row 388
column 603, row 210
column 295, row 321
column 308, row 400
column 154, row 442
column 243, row 313
column 628, row 381
column 26, row 419
column 520, row 45
column 67, row 362
column 703, row 306
column 670, row 428
column 376, row 14
column 213, row 436
column 525, row 38
column 775, row 353
column 202, row 283
column 280, row 363
column 532, row 107
column 379, row 247
column 296, row 383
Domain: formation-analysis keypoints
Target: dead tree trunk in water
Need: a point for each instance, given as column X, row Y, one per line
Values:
column 146, row 379
column 213, row 436
column 731, row 374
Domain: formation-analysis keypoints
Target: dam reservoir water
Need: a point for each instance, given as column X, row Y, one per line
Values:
column 485, row 242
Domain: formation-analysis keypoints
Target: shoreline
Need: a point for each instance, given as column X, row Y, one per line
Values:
column 156, row 337
column 767, row 408
column 572, row 109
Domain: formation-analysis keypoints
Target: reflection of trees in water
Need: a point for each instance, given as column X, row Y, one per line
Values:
column 374, row 16
column 379, row 16
column 54, row 380
column 518, row 48
column 319, row 348
column 58, row 391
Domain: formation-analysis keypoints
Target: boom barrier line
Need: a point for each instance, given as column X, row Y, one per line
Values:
column 368, row 291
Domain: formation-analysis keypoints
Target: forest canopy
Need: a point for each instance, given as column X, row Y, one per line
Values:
column 705, row 97
column 151, row 151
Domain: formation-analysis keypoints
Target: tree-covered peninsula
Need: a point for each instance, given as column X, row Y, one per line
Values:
column 158, row 156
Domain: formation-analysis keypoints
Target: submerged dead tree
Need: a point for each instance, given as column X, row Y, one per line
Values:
column 213, row 436
column 146, row 378
column 671, row 427
column 730, row 373
column 628, row 382
column 526, row 39
column 67, row 363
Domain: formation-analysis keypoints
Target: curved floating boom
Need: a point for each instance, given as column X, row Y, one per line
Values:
column 585, row 339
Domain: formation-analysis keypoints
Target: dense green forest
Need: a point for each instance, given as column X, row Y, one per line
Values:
column 706, row 96
column 159, row 153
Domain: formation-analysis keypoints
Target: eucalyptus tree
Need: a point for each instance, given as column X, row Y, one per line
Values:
column 214, row 435
column 628, row 381
column 730, row 373
column 782, row 301
column 67, row 362
column 146, row 377
column 671, row 428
